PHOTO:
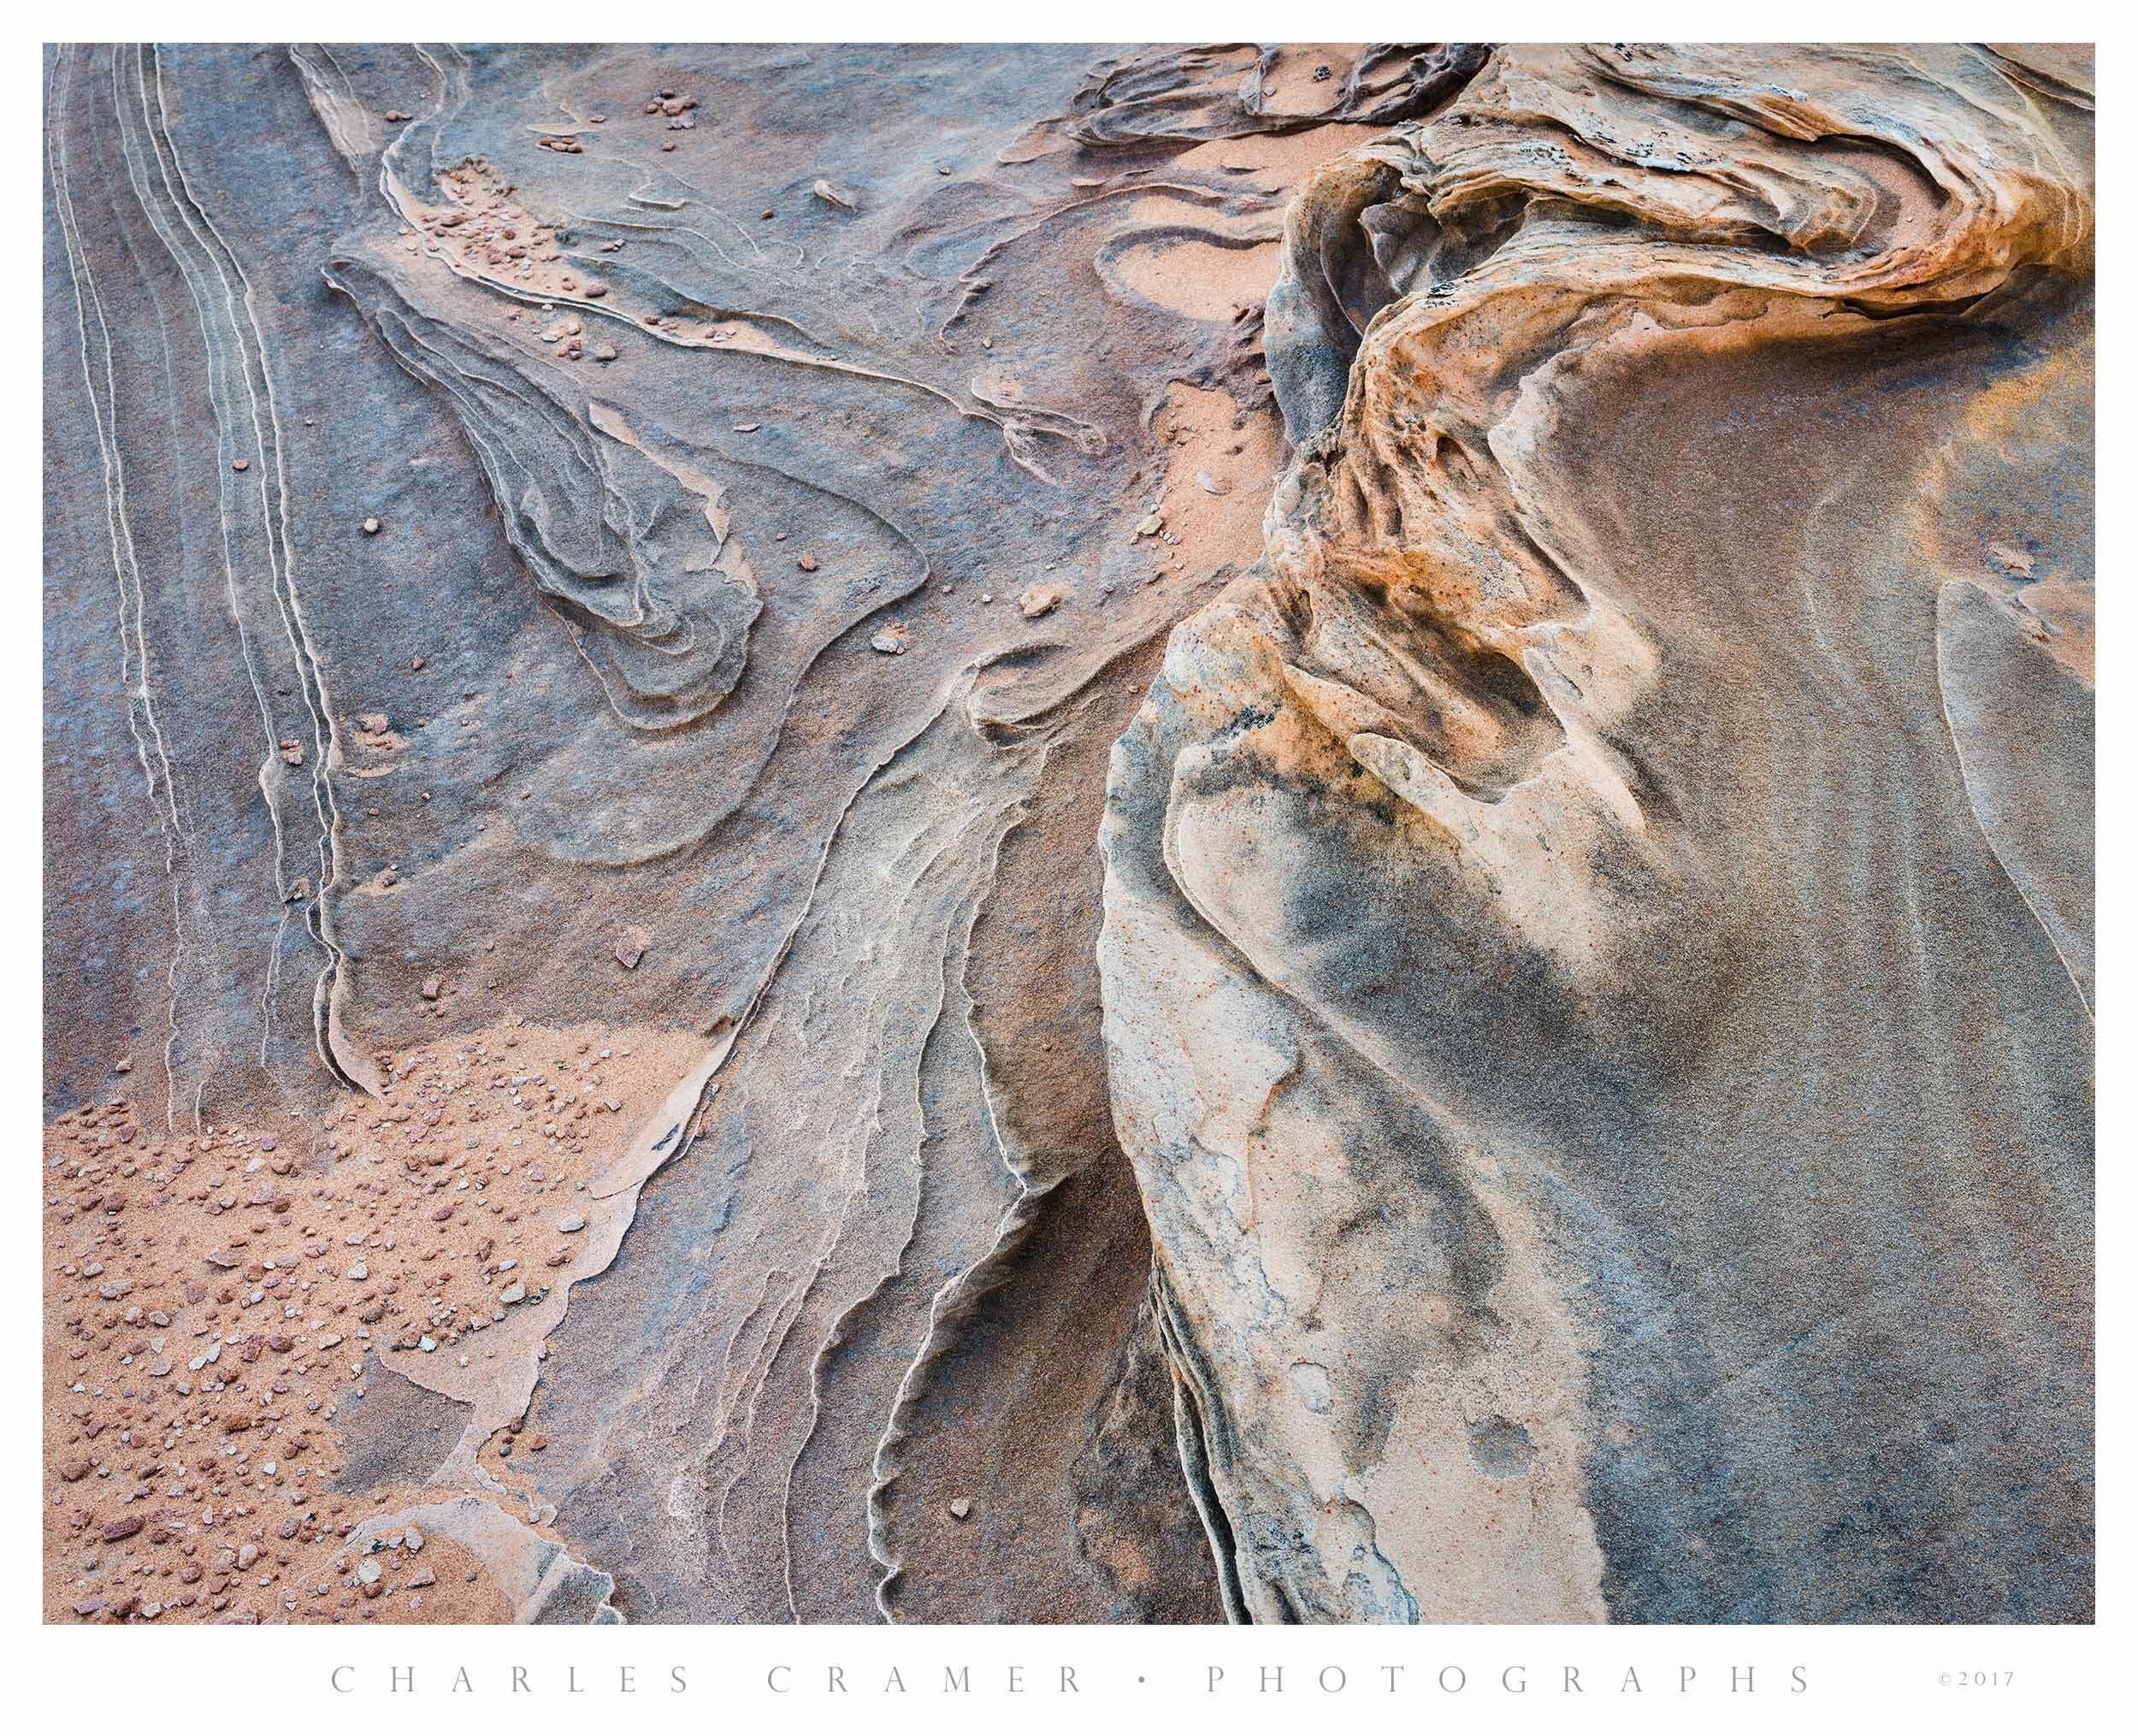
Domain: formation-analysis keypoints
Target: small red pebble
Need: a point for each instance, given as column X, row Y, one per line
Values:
column 768, row 215
column 416, row 663
column 807, row 563
column 237, row 464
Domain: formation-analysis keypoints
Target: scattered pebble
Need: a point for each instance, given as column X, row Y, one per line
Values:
column 213, row 1295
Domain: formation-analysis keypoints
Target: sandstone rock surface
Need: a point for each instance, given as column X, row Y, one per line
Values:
column 1609, row 1079
column 591, row 597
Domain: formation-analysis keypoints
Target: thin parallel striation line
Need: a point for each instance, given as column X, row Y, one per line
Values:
column 126, row 563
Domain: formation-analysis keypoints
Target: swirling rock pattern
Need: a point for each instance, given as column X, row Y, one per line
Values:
column 1607, row 1069
column 1579, row 1104
column 593, row 731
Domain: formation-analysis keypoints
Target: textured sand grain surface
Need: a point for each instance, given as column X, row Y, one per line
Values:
column 1292, row 833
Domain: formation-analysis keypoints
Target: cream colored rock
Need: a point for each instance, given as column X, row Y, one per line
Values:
column 1579, row 1040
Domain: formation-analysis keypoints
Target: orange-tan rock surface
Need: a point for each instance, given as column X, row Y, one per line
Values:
column 591, row 597
column 1586, row 1024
